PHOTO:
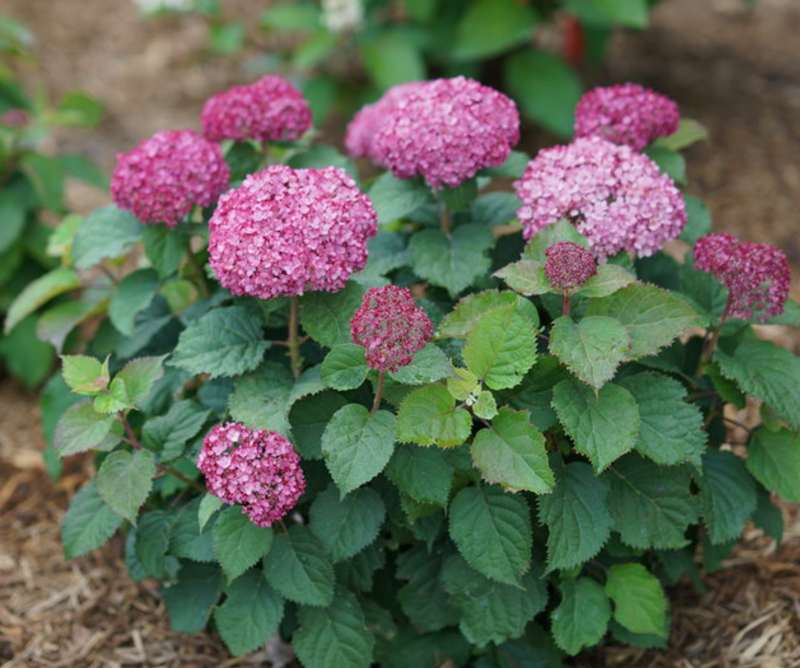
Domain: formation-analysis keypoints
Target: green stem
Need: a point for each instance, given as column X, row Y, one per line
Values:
column 294, row 338
column 566, row 302
column 444, row 218
column 378, row 392
column 129, row 430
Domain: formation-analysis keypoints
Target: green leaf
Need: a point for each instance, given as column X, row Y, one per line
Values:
column 428, row 365
column 498, row 208
column 189, row 601
column 107, row 232
column 238, row 543
column 766, row 372
column 224, row 342
column 698, row 222
column 334, row 637
column 39, row 292
column 12, row 219
column 670, row 162
column 140, row 376
column 344, row 367
column 774, row 459
column 209, row 505
column 152, row 542
column 535, row 393
column 492, row 531
column 501, row 347
column 168, row 434
column 84, row 169
column 298, row 568
column 423, row 597
column 576, row 513
column 526, row 277
column 671, row 429
column 490, row 27
column 134, row 293
column 115, row 400
column 653, row 316
column 260, row 399
column 250, row 614
column 326, row 318
column 58, row 321
column 582, row 617
column 652, row 506
column 592, row 349
column 88, row 523
column 76, row 108
column 164, row 248
column 47, row 175
column 512, row 168
column 630, row 13
column 357, row 445
column 81, row 428
column 422, row 473
column 639, row 601
column 728, row 495
column 392, row 59
column 395, row 198
column 460, row 321
column 309, row 418
column 608, row 279
column 321, row 156
column 125, row 480
column 546, row 88
column 429, row 416
column 512, row 454
column 485, row 406
column 451, row 261
column 84, row 375
column 186, row 538
column 25, row 356
column 346, row 526
column 559, row 231
column 689, row 132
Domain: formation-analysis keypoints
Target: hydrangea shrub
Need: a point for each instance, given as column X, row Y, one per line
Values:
column 401, row 423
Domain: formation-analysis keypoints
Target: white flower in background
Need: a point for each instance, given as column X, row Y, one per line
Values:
column 342, row 15
column 152, row 6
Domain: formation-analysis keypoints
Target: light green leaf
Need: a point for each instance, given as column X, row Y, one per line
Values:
column 125, row 480
column 485, row 406
column 238, row 543
column 429, row 365
column 298, row 568
column 582, row 617
column 81, row 428
column 689, row 132
column 561, row 230
column 490, row 27
column 392, row 59
column 326, row 318
column 774, row 459
column 134, row 293
column 344, row 367
column 526, row 277
column 728, row 495
column 460, row 321
column 39, row 292
column 140, row 375
column 395, row 198
column 639, row 601
column 84, row 375
column 608, row 279
column 107, row 232
column 422, row 473
column 88, row 523
column 429, row 416
column 115, row 400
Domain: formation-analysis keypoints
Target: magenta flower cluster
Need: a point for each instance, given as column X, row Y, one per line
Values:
column 445, row 130
column 165, row 176
column 757, row 275
column 626, row 114
column 285, row 231
column 258, row 469
column 568, row 266
column 617, row 198
column 271, row 109
column 391, row 327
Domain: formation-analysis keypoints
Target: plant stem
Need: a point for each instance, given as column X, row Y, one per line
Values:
column 378, row 391
column 710, row 346
column 177, row 474
column 294, row 338
column 129, row 430
column 566, row 302
column 202, row 285
column 444, row 218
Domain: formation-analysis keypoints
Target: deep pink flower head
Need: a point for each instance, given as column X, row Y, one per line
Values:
column 626, row 114
column 165, row 176
column 391, row 327
column 15, row 118
column 285, row 231
column 568, row 266
column 617, row 198
column 258, row 469
column 757, row 275
column 446, row 130
column 270, row 109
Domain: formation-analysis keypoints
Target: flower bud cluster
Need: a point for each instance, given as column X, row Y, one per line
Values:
column 568, row 266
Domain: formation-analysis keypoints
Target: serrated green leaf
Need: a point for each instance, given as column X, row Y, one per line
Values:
column 259, row 399
column 582, row 617
column 535, row 393
column 357, row 445
column 460, row 321
column 208, row 506
column 698, row 222
column 81, row 428
column 12, row 215
column 728, row 495
column 485, row 406
column 499, row 208
column 309, row 418
column 113, row 401
column 238, row 543
column 125, row 480
column 423, row 597
column 395, row 198
column 592, row 349
column 422, row 473
column 186, row 539
column 299, row 569
column 190, row 600
column 168, row 434
column 134, row 293
column 512, row 454
column 526, row 277
column 84, row 375
column 463, row 384
column 346, row 526
column 326, row 318
column 344, row 367
column 774, row 459
column 107, row 232
column 428, row 365
column 140, row 376
column 250, row 614
column 429, row 416
column 492, row 531
column 603, row 426
column 88, row 523
column 608, row 279
column 561, row 230
column 38, row 292
column 152, row 541
column 639, row 601
column 576, row 513
column 164, row 248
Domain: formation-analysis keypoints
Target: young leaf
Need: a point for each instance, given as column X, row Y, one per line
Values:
column 608, row 279
column 85, row 375
column 298, row 568
column 429, row 416
column 422, row 473
column 81, row 428
column 639, row 601
column 592, row 349
column 134, row 293
column 526, row 277
column 581, row 619
column 238, row 543
column 125, row 480
column 88, row 523
column 429, row 365
column 728, row 494
column 512, row 454
column 140, row 376
column 190, row 600
column 344, row 367
column 492, row 531
column 576, row 513
column 774, row 459
column 603, row 426
column 250, row 614
column 357, row 445
column 485, row 406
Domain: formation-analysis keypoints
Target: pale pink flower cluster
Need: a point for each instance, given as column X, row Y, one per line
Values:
column 626, row 114
column 165, row 176
column 757, row 275
column 445, row 130
column 617, row 198
column 285, row 231
column 258, row 469
column 391, row 327
column 568, row 266
column 271, row 109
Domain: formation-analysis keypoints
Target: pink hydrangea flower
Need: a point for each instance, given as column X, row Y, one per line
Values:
column 15, row 118
column 271, row 109
column 568, row 266
column 285, row 231
column 446, row 130
column 258, row 469
column 165, row 176
column 617, row 198
column 626, row 114
column 757, row 275
column 391, row 327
